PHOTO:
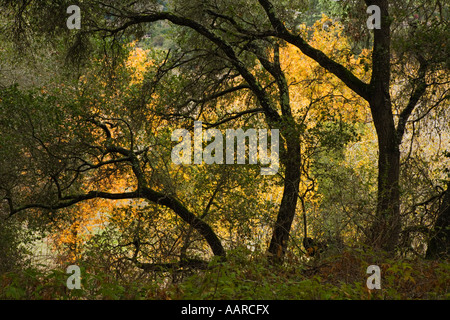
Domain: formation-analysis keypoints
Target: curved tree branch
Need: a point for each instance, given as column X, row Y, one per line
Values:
column 345, row 75
column 227, row 49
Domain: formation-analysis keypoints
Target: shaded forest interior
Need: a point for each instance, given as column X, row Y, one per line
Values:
column 116, row 123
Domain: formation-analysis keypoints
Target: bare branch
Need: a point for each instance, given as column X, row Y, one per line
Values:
column 68, row 201
column 417, row 93
column 233, row 117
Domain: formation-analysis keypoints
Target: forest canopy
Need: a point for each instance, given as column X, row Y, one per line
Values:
column 155, row 142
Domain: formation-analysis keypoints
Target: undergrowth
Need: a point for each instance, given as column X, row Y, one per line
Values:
column 246, row 275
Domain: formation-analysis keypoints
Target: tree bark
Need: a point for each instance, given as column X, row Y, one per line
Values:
column 286, row 213
column 386, row 227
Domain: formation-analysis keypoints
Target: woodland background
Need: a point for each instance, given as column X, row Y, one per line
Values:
column 86, row 176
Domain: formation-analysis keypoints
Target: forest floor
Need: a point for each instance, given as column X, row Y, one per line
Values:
column 246, row 275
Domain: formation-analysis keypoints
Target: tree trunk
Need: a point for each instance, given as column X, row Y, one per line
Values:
column 386, row 226
column 286, row 213
column 385, row 229
column 439, row 245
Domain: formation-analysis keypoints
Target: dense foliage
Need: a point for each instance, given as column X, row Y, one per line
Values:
column 87, row 175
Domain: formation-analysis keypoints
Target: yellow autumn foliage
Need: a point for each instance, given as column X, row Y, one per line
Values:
column 138, row 62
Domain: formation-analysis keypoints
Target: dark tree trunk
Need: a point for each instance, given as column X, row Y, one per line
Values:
column 386, row 227
column 286, row 213
column 439, row 245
